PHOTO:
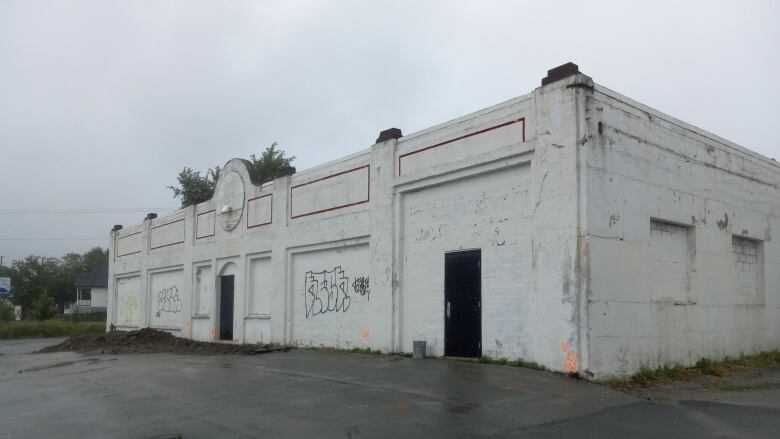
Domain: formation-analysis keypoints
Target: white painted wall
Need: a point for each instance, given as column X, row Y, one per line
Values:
column 487, row 212
column 126, row 311
column 330, row 307
column 677, row 299
column 574, row 275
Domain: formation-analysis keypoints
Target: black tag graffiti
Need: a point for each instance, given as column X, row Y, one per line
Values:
column 360, row 285
column 326, row 291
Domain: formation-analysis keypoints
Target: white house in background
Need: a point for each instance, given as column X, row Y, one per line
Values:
column 91, row 290
column 571, row 226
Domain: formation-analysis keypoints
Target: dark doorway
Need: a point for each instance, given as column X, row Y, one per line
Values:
column 463, row 304
column 226, row 307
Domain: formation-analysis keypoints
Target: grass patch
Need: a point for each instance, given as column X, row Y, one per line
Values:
column 87, row 317
column 646, row 376
column 485, row 359
column 46, row 328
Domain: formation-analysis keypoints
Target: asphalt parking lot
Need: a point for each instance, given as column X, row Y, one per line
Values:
column 301, row 394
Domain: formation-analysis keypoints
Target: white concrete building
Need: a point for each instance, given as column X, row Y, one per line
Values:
column 571, row 226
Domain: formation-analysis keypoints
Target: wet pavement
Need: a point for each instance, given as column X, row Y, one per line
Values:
column 301, row 394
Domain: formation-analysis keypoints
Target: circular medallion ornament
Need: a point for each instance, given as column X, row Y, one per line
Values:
column 230, row 200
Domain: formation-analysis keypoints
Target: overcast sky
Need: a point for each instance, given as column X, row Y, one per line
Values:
column 103, row 102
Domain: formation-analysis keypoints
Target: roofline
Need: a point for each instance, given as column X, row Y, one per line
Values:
column 673, row 120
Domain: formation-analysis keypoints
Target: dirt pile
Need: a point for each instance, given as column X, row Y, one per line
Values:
column 149, row 340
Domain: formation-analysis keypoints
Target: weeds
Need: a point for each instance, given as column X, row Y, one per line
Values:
column 368, row 351
column 674, row 372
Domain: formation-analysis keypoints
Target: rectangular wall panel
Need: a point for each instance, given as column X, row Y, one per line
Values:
column 128, row 301
column 332, row 297
column 260, row 286
column 259, row 211
column 166, row 298
column 129, row 244
column 340, row 190
column 486, row 212
column 669, row 262
column 204, row 290
column 167, row 234
column 204, row 224
column 461, row 147
column 749, row 273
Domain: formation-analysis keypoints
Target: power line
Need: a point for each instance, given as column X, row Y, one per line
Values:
column 80, row 211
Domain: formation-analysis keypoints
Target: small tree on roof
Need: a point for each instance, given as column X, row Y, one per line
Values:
column 271, row 163
column 194, row 188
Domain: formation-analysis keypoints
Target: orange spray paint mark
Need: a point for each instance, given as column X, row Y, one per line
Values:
column 366, row 334
column 213, row 332
column 569, row 358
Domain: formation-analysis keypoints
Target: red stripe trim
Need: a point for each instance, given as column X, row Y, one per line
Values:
column 173, row 243
column 196, row 224
column 127, row 236
column 342, row 206
column 166, row 245
column 247, row 211
column 522, row 119
column 126, row 254
column 167, row 224
column 330, row 176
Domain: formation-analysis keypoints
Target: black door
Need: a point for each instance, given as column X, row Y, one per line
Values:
column 463, row 304
column 226, row 308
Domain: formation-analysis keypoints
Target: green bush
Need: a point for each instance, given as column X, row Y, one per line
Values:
column 6, row 311
column 43, row 308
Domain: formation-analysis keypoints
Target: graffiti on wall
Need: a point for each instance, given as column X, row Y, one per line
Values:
column 129, row 305
column 168, row 301
column 326, row 291
column 361, row 287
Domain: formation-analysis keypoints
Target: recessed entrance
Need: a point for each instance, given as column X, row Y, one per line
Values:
column 226, row 307
column 463, row 304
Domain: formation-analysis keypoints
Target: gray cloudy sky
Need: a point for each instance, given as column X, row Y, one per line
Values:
column 103, row 102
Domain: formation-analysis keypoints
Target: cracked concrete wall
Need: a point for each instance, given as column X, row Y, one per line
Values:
column 639, row 165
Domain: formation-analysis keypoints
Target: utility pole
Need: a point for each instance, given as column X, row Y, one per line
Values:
column 1, row 262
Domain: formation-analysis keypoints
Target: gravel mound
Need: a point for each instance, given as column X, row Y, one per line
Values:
column 149, row 340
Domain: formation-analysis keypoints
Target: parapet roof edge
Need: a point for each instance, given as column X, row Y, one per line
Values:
column 468, row 116
column 332, row 162
column 673, row 120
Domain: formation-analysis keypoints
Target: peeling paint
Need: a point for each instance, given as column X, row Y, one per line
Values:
column 724, row 223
